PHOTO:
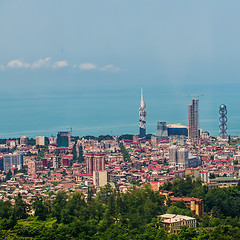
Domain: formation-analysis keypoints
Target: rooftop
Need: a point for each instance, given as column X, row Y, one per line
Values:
column 176, row 125
column 169, row 218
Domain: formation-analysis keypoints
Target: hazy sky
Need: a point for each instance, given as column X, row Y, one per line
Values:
column 69, row 48
column 118, row 42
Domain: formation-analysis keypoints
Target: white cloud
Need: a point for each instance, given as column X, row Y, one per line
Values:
column 91, row 66
column 47, row 63
column 18, row 64
column 60, row 64
column 41, row 63
column 87, row 66
column 110, row 67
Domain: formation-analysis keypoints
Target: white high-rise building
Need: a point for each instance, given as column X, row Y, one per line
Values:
column 11, row 161
column 178, row 158
column 173, row 158
column 182, row 158
column 99, row 178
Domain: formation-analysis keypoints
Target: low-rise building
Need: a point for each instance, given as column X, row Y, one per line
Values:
column 222, row 182
column 174, row 222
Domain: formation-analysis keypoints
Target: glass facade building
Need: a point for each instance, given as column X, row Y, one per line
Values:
column 162, row 130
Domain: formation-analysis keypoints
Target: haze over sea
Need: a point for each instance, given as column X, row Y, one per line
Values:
column 81, row 64
column 113, row 111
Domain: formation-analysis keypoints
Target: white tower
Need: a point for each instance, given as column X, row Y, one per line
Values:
column 142, row 118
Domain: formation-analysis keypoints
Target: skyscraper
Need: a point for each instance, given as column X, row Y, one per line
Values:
column 63, row 139
column 182, row 158
column 193, row 120
column 142, row 118
column 178, row 158
column 162, row 131
column 173, row 160
column 12, row 160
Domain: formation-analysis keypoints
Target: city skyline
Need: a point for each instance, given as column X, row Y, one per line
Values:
column 119, row 119
column 80, row 64
column 142, row 114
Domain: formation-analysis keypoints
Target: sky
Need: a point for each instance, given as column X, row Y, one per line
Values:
column 105, row 48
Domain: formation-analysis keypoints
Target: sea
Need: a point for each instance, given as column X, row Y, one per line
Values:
column 114, row 110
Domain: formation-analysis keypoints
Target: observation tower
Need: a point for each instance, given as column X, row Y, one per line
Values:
column 223, row 121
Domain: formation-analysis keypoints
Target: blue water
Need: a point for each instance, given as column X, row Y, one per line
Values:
column 113, row 110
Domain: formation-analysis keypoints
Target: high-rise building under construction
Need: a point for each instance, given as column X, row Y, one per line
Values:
column 193, row 120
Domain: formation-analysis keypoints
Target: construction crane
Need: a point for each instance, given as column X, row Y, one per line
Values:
column 70, row 130
column 194, row 95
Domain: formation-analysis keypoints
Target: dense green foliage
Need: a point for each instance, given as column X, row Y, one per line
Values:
column 124, row 153
column 74, row 153
column 222, row 202
column 41, row 153
column 107, row 216
column 104, row 137
column 88, row 137
column 115, row 215
column 99, row 138
column 76, row 158
column 81, row 157
column 126, row 136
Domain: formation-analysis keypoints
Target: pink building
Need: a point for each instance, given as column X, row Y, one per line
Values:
column 94, row 162
column 34, row 166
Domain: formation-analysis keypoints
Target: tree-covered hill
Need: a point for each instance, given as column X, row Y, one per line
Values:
column 115, row 215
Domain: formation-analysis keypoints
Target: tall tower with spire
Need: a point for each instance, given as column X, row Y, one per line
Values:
column 142, row 118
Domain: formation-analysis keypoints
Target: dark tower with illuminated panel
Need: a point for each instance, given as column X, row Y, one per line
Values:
column 142, row 118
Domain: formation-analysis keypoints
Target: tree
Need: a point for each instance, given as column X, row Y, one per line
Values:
column 8, row 175
column 22, row 170
column 59, row 203
column 20, row 208
column 212, row 176
column 89, row 194
column 89, row 137
column 179, row 211
column 81, row 157
column 187, row 233
column 74, row 152
column 76, row 204
column 124, row 153
column 126, row 136
column 40, row 208
column 235, row 162
column 104, row 137
column 5, row 209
